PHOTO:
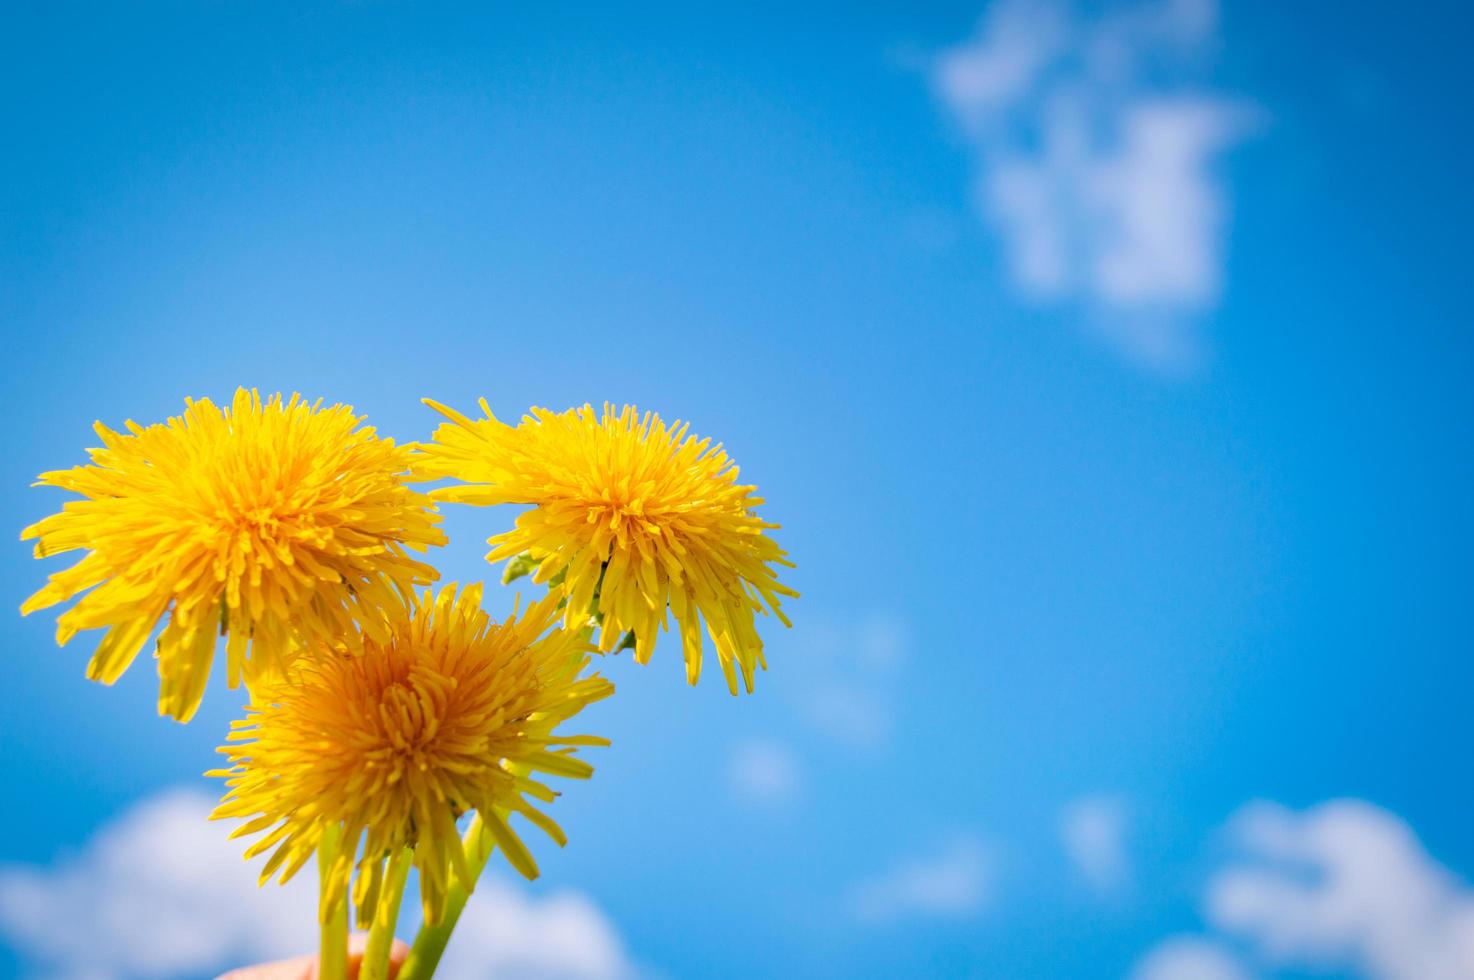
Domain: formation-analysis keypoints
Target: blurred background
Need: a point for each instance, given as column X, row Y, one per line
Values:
column 1107, row 366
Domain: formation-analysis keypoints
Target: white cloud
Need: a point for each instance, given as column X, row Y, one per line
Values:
column 1343, row 886
column 1189, row 958
column 851, row 714
column 881, row 642
column 764, row 772
column 1093, row 833
column 507, row 935
column 1095, row 151
column 847, row 679
column 160, row 892
column 955, row 882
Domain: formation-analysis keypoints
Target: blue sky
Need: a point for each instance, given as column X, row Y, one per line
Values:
column 1108, row 370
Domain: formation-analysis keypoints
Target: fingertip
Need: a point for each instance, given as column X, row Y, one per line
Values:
column 398, row 953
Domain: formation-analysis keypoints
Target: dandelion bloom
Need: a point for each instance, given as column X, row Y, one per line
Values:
column 451, row 712
column 270, row 522
column 631, row 519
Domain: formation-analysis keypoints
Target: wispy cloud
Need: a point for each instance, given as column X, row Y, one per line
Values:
column 161, row 892
column 1095, row 140
column 158, row 892
column 1189, row 958
column 851, row 712
column 1344, row 886
column 506, row 934
column 849, row 678
column 953, row 882
column 1092, row 831
column 764, row 772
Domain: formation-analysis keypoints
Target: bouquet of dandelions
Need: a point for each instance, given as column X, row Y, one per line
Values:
column 379, row 715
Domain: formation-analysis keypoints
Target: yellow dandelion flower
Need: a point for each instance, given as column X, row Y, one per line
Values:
column 270, row 522
column 452, row 712
column 631, row 519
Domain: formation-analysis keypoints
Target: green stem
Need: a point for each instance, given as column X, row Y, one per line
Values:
column 381, row 935
column 429, row 944
column 332, row 951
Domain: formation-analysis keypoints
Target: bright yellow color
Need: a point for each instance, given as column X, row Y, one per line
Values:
column 272, row 523
column 639, row 518
column 450, row 713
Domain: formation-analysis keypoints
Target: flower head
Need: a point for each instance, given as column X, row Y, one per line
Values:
column 273, row 523
column 389, row 745
column 631, row 519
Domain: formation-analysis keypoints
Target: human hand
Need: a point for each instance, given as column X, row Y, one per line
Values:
column 305, row 967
